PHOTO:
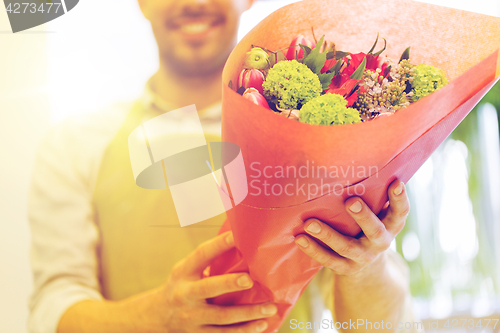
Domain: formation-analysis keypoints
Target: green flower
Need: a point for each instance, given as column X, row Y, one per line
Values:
column 257, row 58
column 328, row 109
column 290, row 84
column 426, row 80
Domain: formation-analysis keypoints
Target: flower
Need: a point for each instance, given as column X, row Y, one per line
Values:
column 427, row 79
column 328, row 109
column 295, row 51
column 290, row 84
column 372, row 63
column 251, row 78
column 253, row 95
column 348, row 90
column 343, row 84
column 380, row 95
column 328, row 64
column 257, row 58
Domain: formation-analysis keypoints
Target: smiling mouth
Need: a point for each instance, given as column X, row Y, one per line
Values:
column 195, row 24
column 195, row 28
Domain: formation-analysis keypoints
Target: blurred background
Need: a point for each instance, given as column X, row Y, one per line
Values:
column 90, row 58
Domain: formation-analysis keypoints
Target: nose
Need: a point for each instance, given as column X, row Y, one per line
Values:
column 195, row 6
column 197, row 2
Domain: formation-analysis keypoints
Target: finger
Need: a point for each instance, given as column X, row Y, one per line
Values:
column 326, row 258
column 345, row 246
column 200, row 258
column 227, row 315
column 372, row 227
column 218, row 285
column 383, row 212
column 399, row 207
column 252, row 327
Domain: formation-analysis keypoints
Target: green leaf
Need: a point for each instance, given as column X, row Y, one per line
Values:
column 358, row 74
column 272, row 59
column 316, row 60
column 307, row 49
column 330, row 55
column 341, row 54
column 276, row 57
column 325, row 79
column 405, row 55
column 387, row 70
column 281, row 56
column 380, row 52
column 336, row 68
column 374, row 44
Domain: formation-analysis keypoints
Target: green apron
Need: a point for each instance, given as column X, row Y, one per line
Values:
column 140, row 235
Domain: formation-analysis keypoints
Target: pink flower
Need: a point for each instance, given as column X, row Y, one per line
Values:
column 254, row 96
column 295, row 49
column 251, row 78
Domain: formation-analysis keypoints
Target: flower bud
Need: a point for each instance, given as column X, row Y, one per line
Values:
column 296, row 49
column 253, row 95
column 257, row 58
column 251, row 78
column 289, row 113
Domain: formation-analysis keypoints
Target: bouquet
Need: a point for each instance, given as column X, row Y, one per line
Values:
column 332, row 87
column 305, row 153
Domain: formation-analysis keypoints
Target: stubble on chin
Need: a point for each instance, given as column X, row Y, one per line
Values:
column 193, row 68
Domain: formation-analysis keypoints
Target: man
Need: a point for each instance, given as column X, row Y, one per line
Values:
column 109, row 256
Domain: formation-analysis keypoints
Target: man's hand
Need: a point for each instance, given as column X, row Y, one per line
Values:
column 184, row 305
column 179, row 305
column 349, row 255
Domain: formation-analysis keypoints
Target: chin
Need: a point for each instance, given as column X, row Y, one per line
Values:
column 196, row 66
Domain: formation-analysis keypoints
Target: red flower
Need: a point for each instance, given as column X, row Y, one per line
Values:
column 348, row 89
column 372, row 63
column 253, row 95
column 251, row 78
column 342, row 83
column 295, row 49
column 328, row 64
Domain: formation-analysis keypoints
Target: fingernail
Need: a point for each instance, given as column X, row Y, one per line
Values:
column 244, row 281
column 230, row 239
column 302, row 241
column 314, row 228
column 356, row 207
column 269, row 309
column 399, row 189
column 261, row 327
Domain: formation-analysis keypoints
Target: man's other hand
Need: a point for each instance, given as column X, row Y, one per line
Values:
column 349, row 255
column 177, row 306
column 182, row 301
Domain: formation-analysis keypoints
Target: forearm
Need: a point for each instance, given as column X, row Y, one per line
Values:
column 375, row 294
column 134, row 314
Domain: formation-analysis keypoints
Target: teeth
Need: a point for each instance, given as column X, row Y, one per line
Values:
column 194, row 28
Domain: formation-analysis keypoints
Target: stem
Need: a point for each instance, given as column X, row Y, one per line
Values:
column 315, row 40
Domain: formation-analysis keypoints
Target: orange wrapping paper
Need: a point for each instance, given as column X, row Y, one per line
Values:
column 465, row 45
